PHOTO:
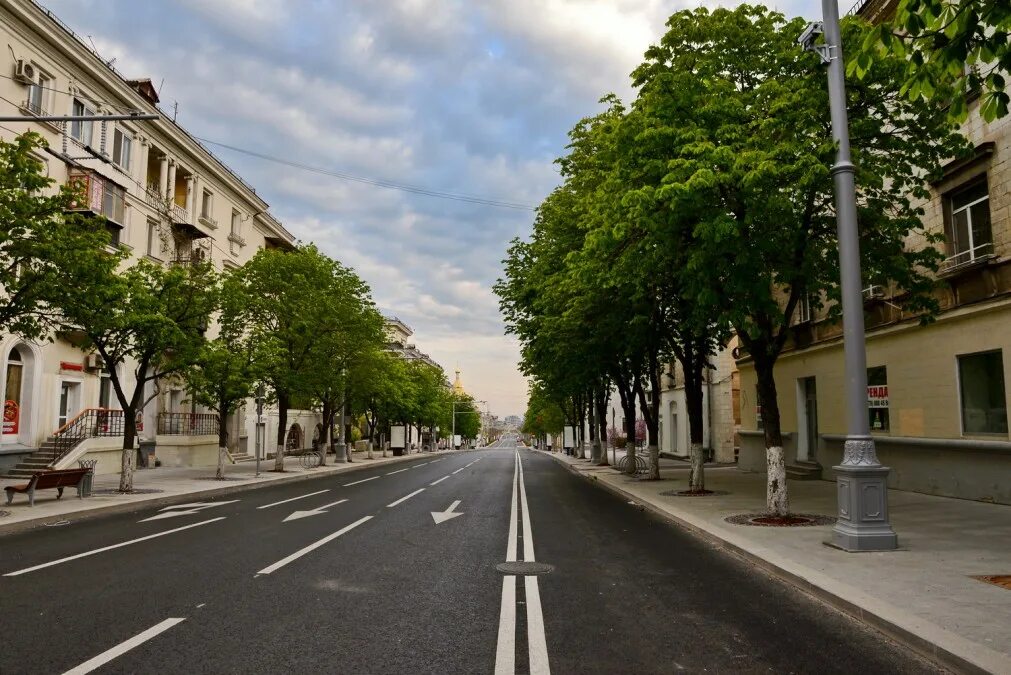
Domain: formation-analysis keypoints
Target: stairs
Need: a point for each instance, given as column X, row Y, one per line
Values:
column 37, row 461
column 242, row 457
column 803, row 471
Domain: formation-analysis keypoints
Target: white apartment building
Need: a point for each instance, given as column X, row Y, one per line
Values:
column 165, row 196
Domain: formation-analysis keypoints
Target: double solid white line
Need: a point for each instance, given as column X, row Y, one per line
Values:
column 505, row 653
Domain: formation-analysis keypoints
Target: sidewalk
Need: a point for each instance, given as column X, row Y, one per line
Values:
column 922, row 595
column 163, row 485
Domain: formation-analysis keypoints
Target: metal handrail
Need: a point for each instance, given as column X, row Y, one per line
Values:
column 187, row 424
column 89, row 423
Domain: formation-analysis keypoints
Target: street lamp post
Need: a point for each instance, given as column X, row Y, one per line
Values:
column 861, row 480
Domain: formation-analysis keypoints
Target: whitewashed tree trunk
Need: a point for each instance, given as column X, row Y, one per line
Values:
column 386, row 447
column 776, row 496
column 370, row 450
column 654, row 463
column 126, row 470
column 222, row 451
column 696, row 472
column 279, row 458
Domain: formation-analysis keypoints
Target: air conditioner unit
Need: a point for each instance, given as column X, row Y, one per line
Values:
column 200, row 254
column 25, row 72
column 94, row 362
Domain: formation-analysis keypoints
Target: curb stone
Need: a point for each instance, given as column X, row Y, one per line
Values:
column 169, row 500
column 928, row 650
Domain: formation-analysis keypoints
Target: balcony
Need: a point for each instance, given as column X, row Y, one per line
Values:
column 99, row 196
column 968, row 259
column 32, row 109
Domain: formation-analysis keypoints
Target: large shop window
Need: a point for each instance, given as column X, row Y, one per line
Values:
column 969, row 233
column 981, row 385
column 877, row 398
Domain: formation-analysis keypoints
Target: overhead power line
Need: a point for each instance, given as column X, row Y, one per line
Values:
column 375, row 182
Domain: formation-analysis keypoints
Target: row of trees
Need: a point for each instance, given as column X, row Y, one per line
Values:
column 704, row 209
column 298, row 324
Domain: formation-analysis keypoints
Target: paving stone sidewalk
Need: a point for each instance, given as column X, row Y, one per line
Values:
column 162, row 484
column 924, row 594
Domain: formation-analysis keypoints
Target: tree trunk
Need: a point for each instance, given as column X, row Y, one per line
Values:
column 601, row 401
column 776, row 495
column 348, row 443
column 693, row 368
column 594, row 432
column 627, row 396
column 222, row 442
column 282, row 429
column 651, row 412
column 129, row 435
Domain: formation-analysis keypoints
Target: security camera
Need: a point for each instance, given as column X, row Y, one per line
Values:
column 810, row 34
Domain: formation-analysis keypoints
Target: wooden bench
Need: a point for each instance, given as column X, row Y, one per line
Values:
column 47, row 480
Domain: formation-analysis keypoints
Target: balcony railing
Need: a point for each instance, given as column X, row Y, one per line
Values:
column 89, row 423
column 180, row 214
column 187, row 424
column 967, row 258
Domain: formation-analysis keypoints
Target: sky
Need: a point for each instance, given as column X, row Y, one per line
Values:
column 463, row 97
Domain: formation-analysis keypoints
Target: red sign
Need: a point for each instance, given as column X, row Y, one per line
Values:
column 70, row 365
column 877, row 396
column 11, row 415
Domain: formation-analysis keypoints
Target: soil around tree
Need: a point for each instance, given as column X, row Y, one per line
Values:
column 772, row 520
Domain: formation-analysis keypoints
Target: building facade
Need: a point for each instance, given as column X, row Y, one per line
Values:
column 937, row 395
column 165, row 197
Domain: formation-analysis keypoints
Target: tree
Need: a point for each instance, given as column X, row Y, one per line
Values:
column 748, row 119
column 147, row 318
column 952, row 49
column 39, row 237
column 227, row 367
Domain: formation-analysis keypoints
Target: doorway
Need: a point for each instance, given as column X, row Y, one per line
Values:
column 807, row 422
column 674, row 427
column 70, row 402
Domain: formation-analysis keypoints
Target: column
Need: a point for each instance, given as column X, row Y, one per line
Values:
column 190, row 197
column 170, row 188
column 163, row 177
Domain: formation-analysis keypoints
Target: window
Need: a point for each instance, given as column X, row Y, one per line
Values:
column 206, row 204
column 154, row 242
column 803, row 312
column 969, row 234
column 105, row 389
column 236, row 221
column 114, row 203
column 877, row 398
column 121, row 146
column 38, row 95
column 12, row 395
column 981, row 386
column 759, row 424
column 79, row 129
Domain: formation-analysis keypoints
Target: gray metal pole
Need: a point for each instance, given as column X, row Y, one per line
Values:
column 452, row 439
column 861, row 481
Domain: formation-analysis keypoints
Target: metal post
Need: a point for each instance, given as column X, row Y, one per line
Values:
column 452, row 439
column 259, row 426
column 861, row 481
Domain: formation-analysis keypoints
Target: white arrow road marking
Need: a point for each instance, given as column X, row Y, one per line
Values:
column 364, row 480
column 448, row 514
column 285, row 501
column 188, row 509
column 109, row 548
column 312, row 547
column 123, row 647
column 295, row 515
column 404, row 499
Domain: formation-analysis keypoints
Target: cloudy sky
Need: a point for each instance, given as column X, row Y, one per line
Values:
column 465, row 97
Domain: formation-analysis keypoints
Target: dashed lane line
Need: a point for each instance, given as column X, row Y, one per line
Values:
column 364, row 480
column 398, row 471
column 405, row 498
column 123, row 647
column 311, row 547
column 439, row 481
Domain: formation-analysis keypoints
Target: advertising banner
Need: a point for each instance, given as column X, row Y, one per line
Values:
column 569, row 441
column 398, row 436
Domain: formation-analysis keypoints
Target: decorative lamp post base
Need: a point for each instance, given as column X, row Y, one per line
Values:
column 863, row 509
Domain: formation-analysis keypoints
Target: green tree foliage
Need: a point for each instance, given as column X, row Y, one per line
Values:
column 952, row 50
column 38, row 239
column 147, row 322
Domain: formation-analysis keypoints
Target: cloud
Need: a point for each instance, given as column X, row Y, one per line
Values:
column 456, row 96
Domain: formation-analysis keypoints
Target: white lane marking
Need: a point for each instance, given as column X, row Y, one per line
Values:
column 123, row 647
column 528, row 537
column 536, row 639
column 422, row 464
column 448, row 514
column 312, row 547
column 459, row 470
column 404, row 499
column 440, row 480
column 109, row 548
column 295, row 515
column 511, row 547
column 398, row 471
column 293, row 499
column 187, row 509
column 505, row 652
column 434, row 461
column 364, row 480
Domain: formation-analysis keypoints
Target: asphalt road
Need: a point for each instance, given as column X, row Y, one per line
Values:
column 353, row 574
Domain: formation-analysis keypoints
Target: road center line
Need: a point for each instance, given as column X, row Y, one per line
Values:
column 505, row 652
column 123, row 647
column 109, row 548
column 364, row 480
column 312, row 547
column 404, row 499
column 398, row 471
column 440, row 480
column 285, row 501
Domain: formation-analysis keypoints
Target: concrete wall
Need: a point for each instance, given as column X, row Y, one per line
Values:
column 182, row 451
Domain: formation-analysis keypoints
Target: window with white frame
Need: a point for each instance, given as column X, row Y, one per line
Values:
column 122, row 144
column 236, row 223
column 969, row 232
column 802, row 314
column 206, row 204
column 79, row 129
column 38, row 95
column 981, row 388
column 155, row 247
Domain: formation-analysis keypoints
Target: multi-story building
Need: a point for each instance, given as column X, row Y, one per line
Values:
column 165, row 198
column 937, row 396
